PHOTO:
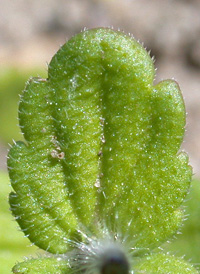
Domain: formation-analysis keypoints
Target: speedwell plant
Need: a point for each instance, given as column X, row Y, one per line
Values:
column 99, row 181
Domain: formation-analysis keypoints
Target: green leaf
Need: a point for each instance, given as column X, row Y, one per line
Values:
column 164, row 264
column 186, row 243
column 41, row 200
column 13, row 244
column 102, row 147
column 43, row 266
column 12, row 79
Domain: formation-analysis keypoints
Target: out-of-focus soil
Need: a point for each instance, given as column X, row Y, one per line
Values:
column 32, row 31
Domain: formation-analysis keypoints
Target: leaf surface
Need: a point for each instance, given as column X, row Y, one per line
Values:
column 43, row 266
column 164, row 264
column 102, row 145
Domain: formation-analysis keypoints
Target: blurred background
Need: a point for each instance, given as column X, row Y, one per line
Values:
column 30, row 34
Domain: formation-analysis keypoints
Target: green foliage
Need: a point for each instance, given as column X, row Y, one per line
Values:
column 101, row 154
column 13, row 246
column 11, row 83
column 186, row 243
column 162, row 264
column 42, row 265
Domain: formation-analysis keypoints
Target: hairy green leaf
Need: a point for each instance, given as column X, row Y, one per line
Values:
column 102, row 147
column 43, row 266
column 163, row 263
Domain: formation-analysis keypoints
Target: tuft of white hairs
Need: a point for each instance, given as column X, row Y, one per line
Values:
column 107, row 254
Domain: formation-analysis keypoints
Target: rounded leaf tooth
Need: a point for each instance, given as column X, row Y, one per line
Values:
column 71, row 59
column 163, row 263
column 44, row 265
column 168, row 118
column 34, row 112
column 38, row 224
